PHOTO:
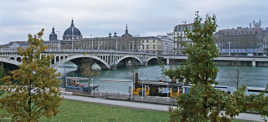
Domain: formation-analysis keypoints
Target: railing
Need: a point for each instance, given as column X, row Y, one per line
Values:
column 223, row 52
column 138, row 52
column 241, row 50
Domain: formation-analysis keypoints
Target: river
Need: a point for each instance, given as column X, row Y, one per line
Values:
column 119, row 80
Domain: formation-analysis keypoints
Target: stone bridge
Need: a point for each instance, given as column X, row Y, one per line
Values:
column 107, row 59
column 228, row 60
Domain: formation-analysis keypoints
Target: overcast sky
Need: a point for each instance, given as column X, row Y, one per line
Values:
column 99, row 17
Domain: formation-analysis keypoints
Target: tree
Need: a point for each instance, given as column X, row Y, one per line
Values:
column 203, row 102
column 32, row 90
column 87, row 70
column 2, row 74
column 2, row 70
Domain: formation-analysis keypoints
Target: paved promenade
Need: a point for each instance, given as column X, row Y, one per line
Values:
column 244, row 116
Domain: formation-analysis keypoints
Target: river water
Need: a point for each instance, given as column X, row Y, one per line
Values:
column 119, row 81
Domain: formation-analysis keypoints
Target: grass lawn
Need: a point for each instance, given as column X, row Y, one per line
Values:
column 75, row 111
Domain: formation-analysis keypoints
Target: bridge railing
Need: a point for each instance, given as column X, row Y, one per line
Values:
column 258, row 50
column 8, row 50
column 97, row 51
column 136, row 52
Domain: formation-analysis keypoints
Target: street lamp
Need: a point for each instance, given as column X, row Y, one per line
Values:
column 72, row 38
column 59, row 43
column 229, row 48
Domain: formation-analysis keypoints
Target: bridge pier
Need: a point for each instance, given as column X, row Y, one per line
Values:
column 253, row 63
column 168, row 61
column 114, row 67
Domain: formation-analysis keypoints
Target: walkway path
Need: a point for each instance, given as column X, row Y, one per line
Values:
column 244, row 116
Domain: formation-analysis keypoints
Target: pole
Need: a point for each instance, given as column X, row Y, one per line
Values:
column 58, row 40
column 142, row 89
column 72, row 36
column 229, row 48
column 132, row 87
column 237, row 79
column 92, row 85
column 88, row 85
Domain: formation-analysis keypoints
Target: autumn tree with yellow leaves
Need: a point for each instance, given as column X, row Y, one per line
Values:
column 32, row 90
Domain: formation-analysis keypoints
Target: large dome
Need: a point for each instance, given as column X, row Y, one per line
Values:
column 72, row 33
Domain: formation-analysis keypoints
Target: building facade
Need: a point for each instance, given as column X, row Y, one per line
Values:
column 167, row 45
column 151, row 44
column 125, row 42
column 179, row 37
column 73, row 39
column 242, row 40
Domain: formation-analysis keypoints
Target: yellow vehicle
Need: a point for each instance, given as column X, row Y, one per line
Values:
column 158, row 88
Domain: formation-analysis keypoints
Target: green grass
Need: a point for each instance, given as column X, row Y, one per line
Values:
column 75, row 111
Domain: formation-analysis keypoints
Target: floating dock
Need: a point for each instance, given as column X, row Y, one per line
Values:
column 257, row 89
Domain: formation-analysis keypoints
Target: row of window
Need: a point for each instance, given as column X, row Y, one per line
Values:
column 147, row 41
column 147, row 47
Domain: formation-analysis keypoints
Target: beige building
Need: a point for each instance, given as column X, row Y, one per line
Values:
column 150, row 44
column 72, row 39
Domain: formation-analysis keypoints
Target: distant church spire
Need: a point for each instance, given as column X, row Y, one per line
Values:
column 53, row 30
column 72, row 24
column 126, row 34
column 126, row 29
column 53, row 35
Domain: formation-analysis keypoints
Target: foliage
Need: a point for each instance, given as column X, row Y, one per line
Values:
column 86, row 68
column 2, row 70
column 204, row 103
column 32, row 90
column 2, row 73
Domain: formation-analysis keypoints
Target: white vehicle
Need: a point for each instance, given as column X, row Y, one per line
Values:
column 250, row 54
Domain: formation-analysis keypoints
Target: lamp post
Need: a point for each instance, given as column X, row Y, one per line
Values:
column 72, row 38
column 59, row 42
column 229, row 48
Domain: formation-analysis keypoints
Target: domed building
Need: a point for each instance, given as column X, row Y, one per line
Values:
column 72, row 33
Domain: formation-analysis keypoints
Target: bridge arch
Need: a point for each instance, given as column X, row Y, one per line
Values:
column 9, row 61
column 125, row 57
column 150, row 59
column 9, row 65
column 70, row 58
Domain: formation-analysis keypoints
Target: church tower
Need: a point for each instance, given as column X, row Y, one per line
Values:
column 53, row 35
column 126, row 34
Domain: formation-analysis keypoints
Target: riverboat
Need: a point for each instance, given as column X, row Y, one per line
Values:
column 73, row 83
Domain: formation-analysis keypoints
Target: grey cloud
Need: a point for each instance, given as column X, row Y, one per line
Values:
column 99, row 17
